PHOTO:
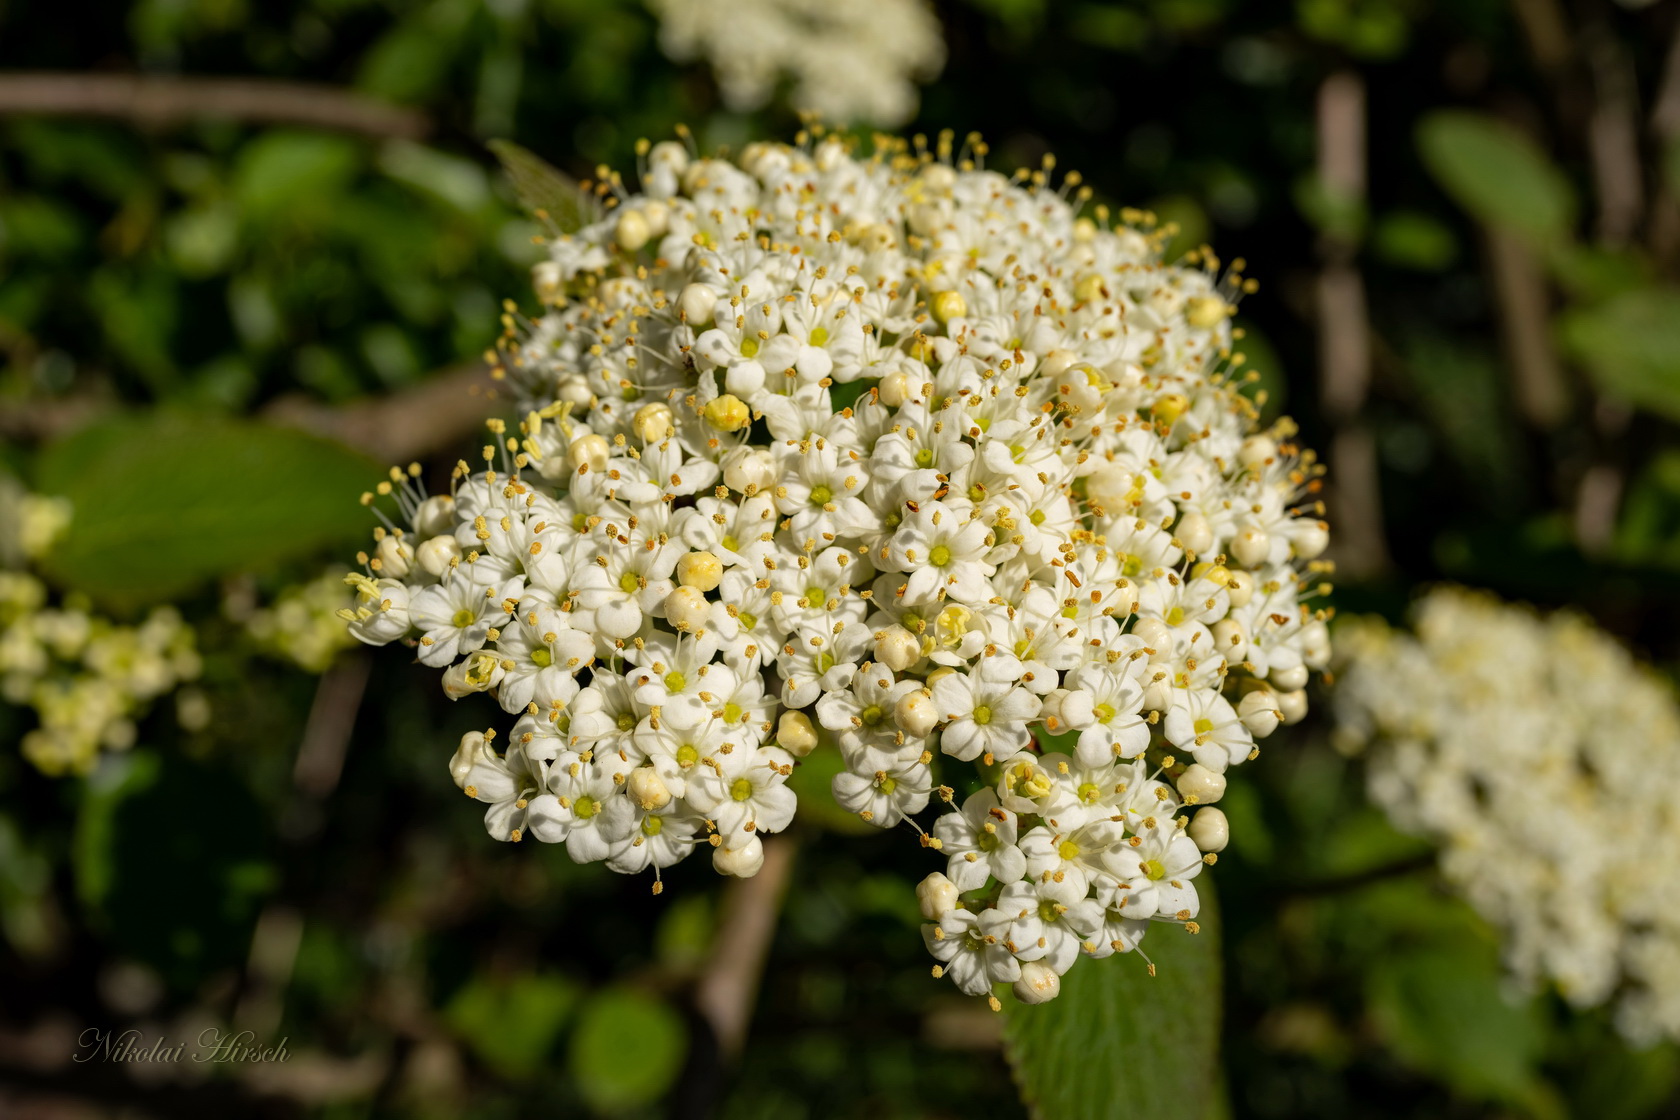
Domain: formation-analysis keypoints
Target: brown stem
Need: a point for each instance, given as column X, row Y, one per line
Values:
column 437, row 413
column 729, row 986
column 155, row 102
column 1519, row 286
column 1344, row 334
column 332, row 718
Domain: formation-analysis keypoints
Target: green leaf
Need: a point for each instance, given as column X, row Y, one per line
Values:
column 512, row 1023
column 1118, row 1034
column 811, row 781
column 164, row 502
column 1412, row 240
column 1443, row 1010
column 1631, row 346
column 544, row 189
column 1496, row 173
column 626, row 1050
column 290, row 170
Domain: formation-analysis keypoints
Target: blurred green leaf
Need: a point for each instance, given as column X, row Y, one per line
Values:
column 170, row 858
column 1631, row 346
column 1118, row 1034
column 811, row 782
column 1496, row 173
column 626, row 1050
column 1366, row 28
column 287, row 170
column 414, row 57
column 1443, row 1010
column 544, row 189
column 1340, row 215
column 164, row 502
column 512, row 1023
column 1412, row 240
column 1593, row 273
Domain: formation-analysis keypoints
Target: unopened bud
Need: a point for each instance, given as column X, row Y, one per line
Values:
column 1194, row 533
column 727, row 413
column 395, row 557
column 1039, row 983
column 1169, row 408
column 632, row 231
column 1240, row 587
column 436, row 555
column 1290, row 679
column 1058, row 362
column 1156, row 635
column 795, row 735
column 1252, row 547
column 895, row 388
column 897, row 648
column 1309, row 539
column 653, row 422
column 700, row 570
column 1257, row 451
column 697, row 303
column 1203, row 784
column 1125, row 598
column 1293, row 705
column 1259, row 712
column 1229, row 640
column 742, row 862
column 686, row 610
column 1210, row 830
column 915, row 713
column 938, row 896
column 1076, row 710
column 749, row 470
column 435, row 515
column 474, row 749
column 947, row 306
column 588, row 451
column 647, row 789
column 1203, row 312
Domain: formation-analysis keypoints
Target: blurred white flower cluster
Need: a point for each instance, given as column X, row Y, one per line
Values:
column 1545, row 760
column 890, row 456
column 302, row 625
column 850, row 61
column 86, row 677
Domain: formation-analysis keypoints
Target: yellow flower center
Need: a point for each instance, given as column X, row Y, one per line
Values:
column 940, row 556
column 740, row 789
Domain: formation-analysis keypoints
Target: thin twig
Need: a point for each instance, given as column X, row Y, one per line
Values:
column 332, row 718
column 729, row 985
column 155, row 102
column 1519, row 286
column 1344, row 333
column 437, row 413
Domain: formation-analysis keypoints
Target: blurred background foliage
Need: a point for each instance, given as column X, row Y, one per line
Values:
column 218, row 315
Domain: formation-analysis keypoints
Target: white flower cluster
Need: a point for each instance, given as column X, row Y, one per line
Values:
column 1545, row 760
column 893, row 457
column 302, row 625
column 87, row 678
column 850, row 61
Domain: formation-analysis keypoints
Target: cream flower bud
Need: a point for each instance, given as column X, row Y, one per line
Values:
column 1156, row 635
column 897, row 648
column 589, row 452
column 1203, row 312
column 727, row 413
column 895, row 388
column 1230, row 641
column 1074, row 709
column 697, row 303
column 437, row 554
column 1194, row 533
column 1157, row 695
column 574, row 391
column 1259, row 712
column 947, row 306
column 1290, row 679
column 473, row 749
column 1058, row 362
column 632, row 231
column 653, row 422
column 1293, row 705
column 1210, row 830
column 1240, row 587
column 700, row 570
column 1315, row 644
column 395, row 557
column 938, row 896
column 915, row 713
column 1251, row 547
column 742, row 862
column 646, row 789
column 435, row 515
column 1309, row 539
column 1125, row 598
column 1203, row 784
column 749, row 470
column 658, row 217
column 548, row 280
column 687, row 610
column 1039, row 983
column 795, row 735
column 1257, row 451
